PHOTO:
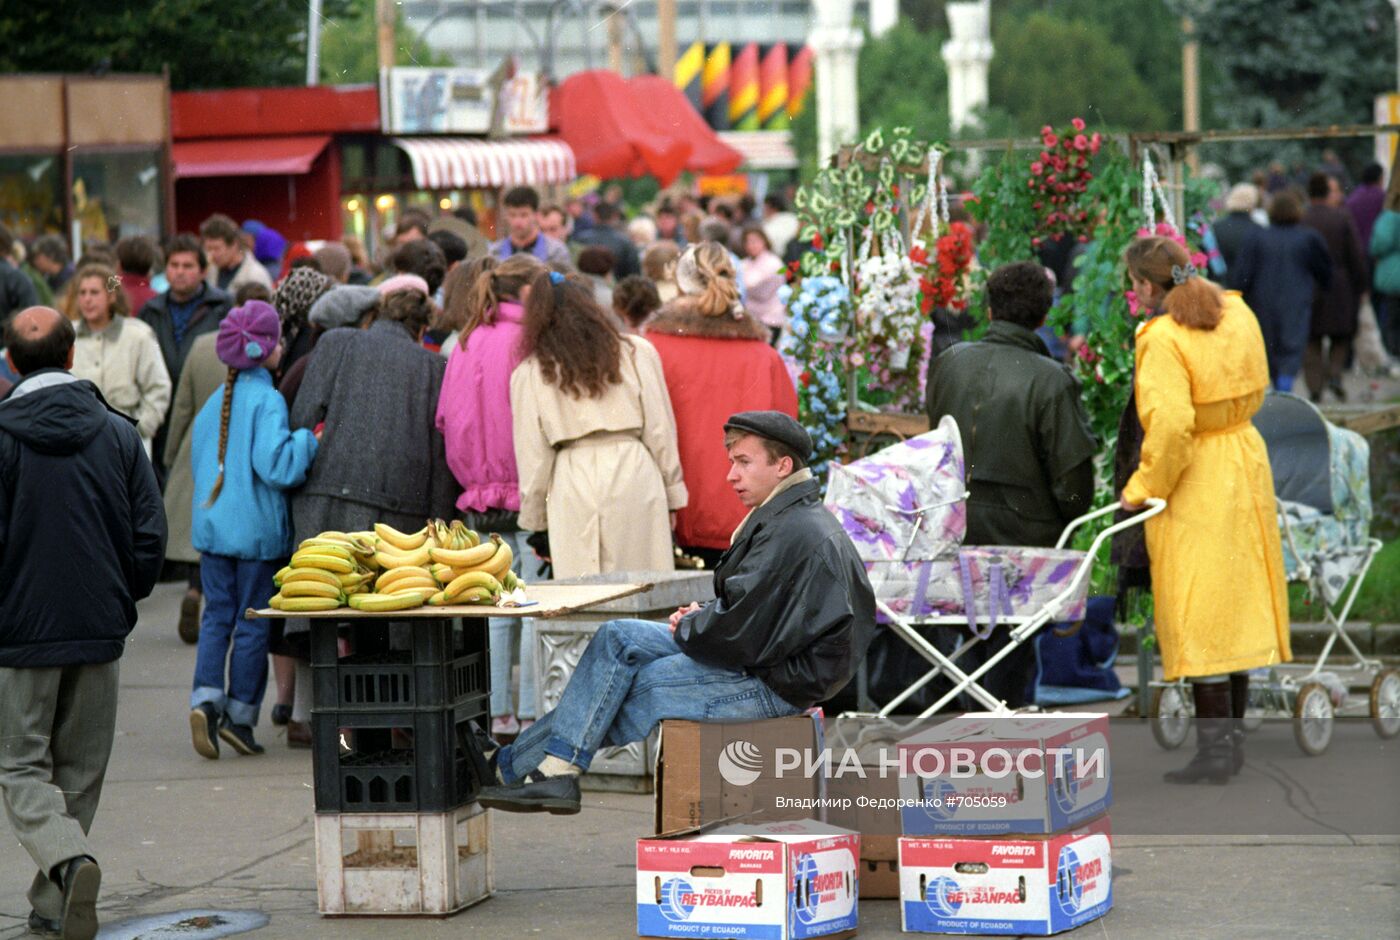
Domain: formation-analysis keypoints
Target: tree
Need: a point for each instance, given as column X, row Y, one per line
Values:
column 901, row 82
column 1324, row 67
column 349, row 45
column 1046, row 70
column 205, row 43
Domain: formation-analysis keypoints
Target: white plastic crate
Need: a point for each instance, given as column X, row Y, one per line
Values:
column 403, row 863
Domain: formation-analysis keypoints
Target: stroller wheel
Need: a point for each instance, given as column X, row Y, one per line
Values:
column 1313, row 718
column 1170, row 715
column 1385, row 703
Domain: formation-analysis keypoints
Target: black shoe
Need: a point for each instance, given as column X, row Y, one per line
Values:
column 1214, row 737
column 281, row 714
column 1239, row 703
column 490, row 750
column 81, row 881
column 535, row 794
column 43, row 927
column 239, row 737
column 188, row 628
column 204, row 725
column 1338, row 390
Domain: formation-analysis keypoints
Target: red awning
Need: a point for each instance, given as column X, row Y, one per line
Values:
column 669, row 107
column 247, row 156
column 611, row 134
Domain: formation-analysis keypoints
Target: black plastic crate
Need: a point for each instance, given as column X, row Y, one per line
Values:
column 419, row 761
column 445, row 664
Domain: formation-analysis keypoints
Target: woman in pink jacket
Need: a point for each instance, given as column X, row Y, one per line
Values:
column 485, row 303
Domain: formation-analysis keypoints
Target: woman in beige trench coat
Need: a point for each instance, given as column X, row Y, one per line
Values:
column 595, row 438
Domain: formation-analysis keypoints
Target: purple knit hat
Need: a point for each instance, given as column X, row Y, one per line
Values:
column 248, row 335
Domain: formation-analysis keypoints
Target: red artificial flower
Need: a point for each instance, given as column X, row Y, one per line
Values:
column 1050, row 140
column 805, row 378
column 1077, row 123
column 1037, row 168
column 918, row 254
column 817, row 242
column 894, row 190
column 1080, row 142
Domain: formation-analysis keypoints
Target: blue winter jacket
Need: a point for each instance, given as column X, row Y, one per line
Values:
column 264, row 458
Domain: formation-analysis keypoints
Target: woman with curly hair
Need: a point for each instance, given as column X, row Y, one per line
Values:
column 595, row 439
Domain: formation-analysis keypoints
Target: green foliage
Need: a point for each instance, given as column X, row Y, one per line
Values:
column 1378, row 601
column 1147, row 30
column 349, row 45
column 205, row 43
column 901, row 82
column 1047, row 69
column 1097, row 308
column 1292, row 63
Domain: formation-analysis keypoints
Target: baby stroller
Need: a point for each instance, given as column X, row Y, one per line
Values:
column 904, row 508
column 1322, row 482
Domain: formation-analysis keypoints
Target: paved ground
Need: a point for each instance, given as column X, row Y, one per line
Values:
column 178, row 833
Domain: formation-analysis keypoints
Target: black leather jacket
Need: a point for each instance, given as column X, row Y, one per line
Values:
column 792, row 604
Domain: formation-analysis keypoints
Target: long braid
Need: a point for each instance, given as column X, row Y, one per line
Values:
column 223, row 434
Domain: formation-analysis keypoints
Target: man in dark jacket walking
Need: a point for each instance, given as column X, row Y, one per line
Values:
column 1336, row 307
column 792, row 616
column 1030, row 452
column 185, row 312
column 63, row 626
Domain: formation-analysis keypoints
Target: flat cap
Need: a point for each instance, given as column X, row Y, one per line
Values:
column 775, row 426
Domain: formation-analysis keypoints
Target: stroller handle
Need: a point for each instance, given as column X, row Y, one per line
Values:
column 1153, row 506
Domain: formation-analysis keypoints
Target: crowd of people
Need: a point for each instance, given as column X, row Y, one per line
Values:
column 564, row 392
column 608, row 398
column 572, row 375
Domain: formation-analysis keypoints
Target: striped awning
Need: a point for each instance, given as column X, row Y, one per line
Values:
column 468, row 162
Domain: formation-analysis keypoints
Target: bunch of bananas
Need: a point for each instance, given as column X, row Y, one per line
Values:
column 387, row 570
column 324, row 573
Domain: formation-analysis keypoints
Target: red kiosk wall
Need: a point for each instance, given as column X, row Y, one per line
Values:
column 302, row 207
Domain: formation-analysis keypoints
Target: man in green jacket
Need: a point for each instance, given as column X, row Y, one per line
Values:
column 1029, row 449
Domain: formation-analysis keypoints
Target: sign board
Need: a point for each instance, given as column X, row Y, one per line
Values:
column 525, row 104
column 436, row 100
column 1387, row 112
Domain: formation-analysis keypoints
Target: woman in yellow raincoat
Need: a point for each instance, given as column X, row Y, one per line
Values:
column 1217, row 562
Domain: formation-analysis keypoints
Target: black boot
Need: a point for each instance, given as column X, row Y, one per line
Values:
column 1214, row 738
column 1239, row 701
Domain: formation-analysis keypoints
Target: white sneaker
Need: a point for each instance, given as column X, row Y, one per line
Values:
column 504, row 725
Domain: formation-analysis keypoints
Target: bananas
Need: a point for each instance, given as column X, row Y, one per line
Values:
column 318, row 557
column 310, row 575
column 311, row 589
column 385, row 569
column 402, row 541
column 303, row 604
column 397, row 575
column 386, row 602
column 470, row 580
column 467, row 558
column 390, row 558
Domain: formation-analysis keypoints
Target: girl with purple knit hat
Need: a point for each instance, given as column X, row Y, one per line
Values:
column 245, row 458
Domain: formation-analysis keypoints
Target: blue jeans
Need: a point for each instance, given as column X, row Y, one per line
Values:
column 631, row 676
column 231, row 586
column 504, row 630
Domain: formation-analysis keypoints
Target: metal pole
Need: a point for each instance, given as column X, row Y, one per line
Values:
column 1396, row 5
column 1190, row 82
column 666, row 38
column 313, row 42
column 386, row 18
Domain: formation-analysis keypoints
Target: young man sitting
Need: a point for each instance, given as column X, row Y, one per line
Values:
column 792, row 616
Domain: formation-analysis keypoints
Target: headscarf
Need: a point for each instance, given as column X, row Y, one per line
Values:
column 297, row 292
